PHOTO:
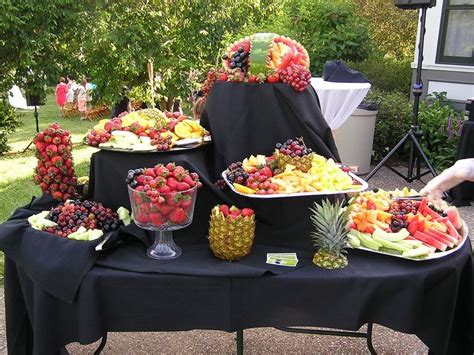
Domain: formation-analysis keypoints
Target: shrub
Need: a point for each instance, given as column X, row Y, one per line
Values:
column 329, row 30
column 393, row 121
column 441, row 126
column 386, row 74
column 8, row 122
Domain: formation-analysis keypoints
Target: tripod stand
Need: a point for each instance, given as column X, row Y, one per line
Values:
column 414, row 134
column 37, row 127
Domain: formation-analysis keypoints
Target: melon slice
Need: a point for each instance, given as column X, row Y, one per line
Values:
column 445, row 236
column 430, row 241
column 452, row 231
column 454, row 217
column 438, row 237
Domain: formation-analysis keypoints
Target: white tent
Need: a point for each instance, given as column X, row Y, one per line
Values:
column 16, row 99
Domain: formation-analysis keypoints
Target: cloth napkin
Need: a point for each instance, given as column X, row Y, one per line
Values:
column 338, row 71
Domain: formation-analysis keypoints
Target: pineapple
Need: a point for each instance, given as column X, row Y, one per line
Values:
column 302, row 163
column 330, row 234
column 231, row 232
column 157, row 115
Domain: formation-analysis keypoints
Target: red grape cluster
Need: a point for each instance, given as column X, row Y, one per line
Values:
column 55, row 171
column 236, row 173
column 88, row 214
column 296, row 76
column 209, row 82
column 294, row 148
column 95, row 137
column 162, row 143
column 399, row 210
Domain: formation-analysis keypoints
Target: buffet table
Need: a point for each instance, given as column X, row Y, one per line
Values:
column 430, row 299
column 339, row 100
column 58, row 291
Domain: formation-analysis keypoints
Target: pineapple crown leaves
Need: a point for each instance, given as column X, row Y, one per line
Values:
column 329, row 221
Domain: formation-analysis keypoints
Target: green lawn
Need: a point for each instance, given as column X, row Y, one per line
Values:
column 16, row 168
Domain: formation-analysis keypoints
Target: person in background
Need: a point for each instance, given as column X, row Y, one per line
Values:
column 89, row 89
column 462, row 170
column 71, row 89
column 198, row 107
column 82, row 99
column 61, row 93
column 123, row 105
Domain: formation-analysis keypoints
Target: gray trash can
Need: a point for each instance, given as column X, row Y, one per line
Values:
column 354, row 139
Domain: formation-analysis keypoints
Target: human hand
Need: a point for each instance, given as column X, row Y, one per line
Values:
column 461, row 171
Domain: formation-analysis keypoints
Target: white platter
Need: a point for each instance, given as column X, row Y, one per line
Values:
column 363, row 186
column 435, row 255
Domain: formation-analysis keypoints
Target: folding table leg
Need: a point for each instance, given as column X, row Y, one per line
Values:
column 240, row 342
column 101, row 345
column 369, row 339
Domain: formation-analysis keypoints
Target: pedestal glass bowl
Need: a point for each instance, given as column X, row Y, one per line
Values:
column 163, row 213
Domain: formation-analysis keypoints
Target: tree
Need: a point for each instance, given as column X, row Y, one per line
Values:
column 392, row 30
column 329, row 30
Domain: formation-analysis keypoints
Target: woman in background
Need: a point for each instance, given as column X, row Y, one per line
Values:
column 71, row 89
column 82, row 99
column 61, row 93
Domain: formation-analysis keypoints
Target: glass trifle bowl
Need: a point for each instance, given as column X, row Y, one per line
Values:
column 162, row 213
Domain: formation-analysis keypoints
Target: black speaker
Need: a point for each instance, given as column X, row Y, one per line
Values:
column 414, row 4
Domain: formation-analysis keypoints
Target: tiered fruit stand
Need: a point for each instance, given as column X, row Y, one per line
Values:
column 119, row 288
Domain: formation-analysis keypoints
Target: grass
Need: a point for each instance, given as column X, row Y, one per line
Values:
column 16, row 168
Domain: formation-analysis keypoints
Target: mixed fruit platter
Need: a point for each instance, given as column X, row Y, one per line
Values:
column 81, row 220
column 260, row 58
column 147, row 130
column 403, row 224
column 292, row 170
column 162, row 196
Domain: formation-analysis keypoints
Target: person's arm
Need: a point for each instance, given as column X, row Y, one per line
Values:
column 463, row 170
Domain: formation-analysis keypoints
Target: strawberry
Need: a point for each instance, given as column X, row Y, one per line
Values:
column 139, row 188
column 186, row 203
column 223, row 77
column 156, row 219
column 40, row 137
column 63, row 187
column 140, row 180
column 165, row 209
column 170, row 167
column 149, row 172
column 48, row 139
column 252, row 79
column 182, row 186
column 224, row 209
column 273, row 78
column 176, row 114
column 41, row 146
column 177, row 216
column 164, row 189
column 189, row 180
column 57, row 161
column 57, row 195
column 57, row 140
column 247, row 212
column 142, row 217
column 173, row 199
column 51, row 149
column 68, row 162
column 172, row 183
column 179, row 173
column 160, row 170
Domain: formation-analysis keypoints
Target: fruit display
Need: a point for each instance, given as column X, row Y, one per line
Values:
column 292, row 170
column 54, row 172
column 162, row 196
column 396, row 223
column 146, row 130
column 263, row 57
column 80, row 220
column 231, row 232
column 330, row 234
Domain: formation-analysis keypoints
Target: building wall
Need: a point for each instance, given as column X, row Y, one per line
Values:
column 456, row 80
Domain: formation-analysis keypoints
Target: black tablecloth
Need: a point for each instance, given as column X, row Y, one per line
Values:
column 463, row 194
column 247, row 119
column 432, row 299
